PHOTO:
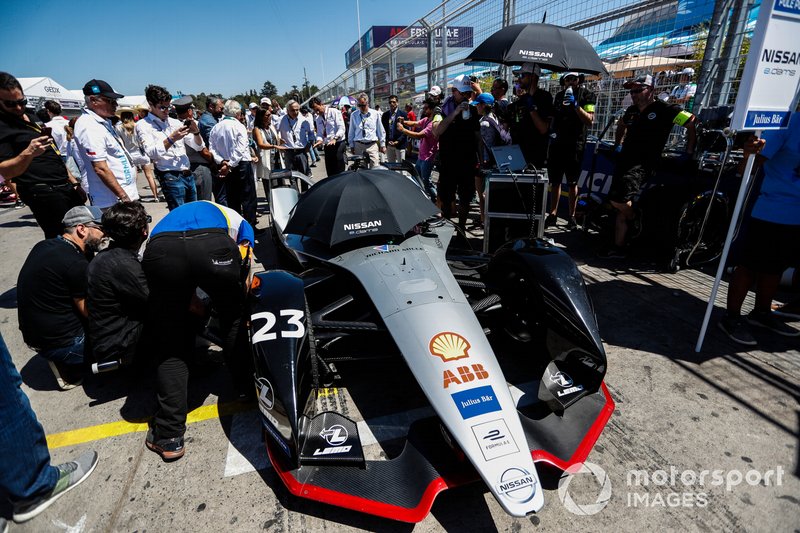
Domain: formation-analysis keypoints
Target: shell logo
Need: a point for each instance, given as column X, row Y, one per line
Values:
column 449, row 346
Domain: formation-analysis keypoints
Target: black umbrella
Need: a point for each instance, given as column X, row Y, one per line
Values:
column 360, row 204
column 549, row 46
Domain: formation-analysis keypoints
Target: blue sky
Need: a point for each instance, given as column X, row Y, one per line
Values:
column 222, row 47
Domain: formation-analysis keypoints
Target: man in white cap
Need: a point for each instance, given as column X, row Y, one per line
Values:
column 51, row 293
column 684, row 91
column 266, row 103
column 642, row 131
column 251, row 116
column 458, row 149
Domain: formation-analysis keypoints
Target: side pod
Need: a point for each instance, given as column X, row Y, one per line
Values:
column 542, row 280
column 281, row 345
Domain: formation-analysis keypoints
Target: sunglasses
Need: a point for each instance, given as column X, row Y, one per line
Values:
column 362, row 105
column 637, row 90
column 93, row 225
column 22, row 102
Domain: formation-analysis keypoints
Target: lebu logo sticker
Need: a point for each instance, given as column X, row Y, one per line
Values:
column 336, row 435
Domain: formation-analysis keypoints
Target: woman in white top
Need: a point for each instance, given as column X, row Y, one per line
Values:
column 127, row 131
column 269, row 148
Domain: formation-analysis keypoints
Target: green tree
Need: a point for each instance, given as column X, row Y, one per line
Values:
column 269, row 90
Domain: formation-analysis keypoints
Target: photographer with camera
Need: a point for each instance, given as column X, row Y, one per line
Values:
column 165, row 140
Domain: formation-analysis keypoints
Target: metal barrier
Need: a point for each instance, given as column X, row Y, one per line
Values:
column 659, row 37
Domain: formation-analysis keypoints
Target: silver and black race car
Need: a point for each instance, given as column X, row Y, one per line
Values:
column 390, row 366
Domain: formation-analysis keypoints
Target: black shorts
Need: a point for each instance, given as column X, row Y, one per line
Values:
column 564, row 163
column 626, row 183
column 770, row 248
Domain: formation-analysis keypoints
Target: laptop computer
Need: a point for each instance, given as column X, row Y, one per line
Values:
column 509, row 158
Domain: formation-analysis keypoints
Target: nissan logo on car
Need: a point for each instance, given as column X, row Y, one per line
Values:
column 517, row 484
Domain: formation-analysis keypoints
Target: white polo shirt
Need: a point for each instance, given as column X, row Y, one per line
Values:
column 228, row 141
column 58, row 125
column 152, row 132
column 98, row 141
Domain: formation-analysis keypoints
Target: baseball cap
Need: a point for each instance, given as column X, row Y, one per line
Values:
column 688, row 70
column 435, row 91
column 530, row 68
column 82, row 214
column 100, row 88
column 568, row 74
column 252, row 105
column 646, row 79
column 462, row 84
column 266, row 100
column 483, row 98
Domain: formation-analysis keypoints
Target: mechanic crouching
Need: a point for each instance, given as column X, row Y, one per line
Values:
column 195, row 245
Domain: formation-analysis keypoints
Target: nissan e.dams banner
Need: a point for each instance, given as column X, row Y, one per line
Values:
column 769, row 88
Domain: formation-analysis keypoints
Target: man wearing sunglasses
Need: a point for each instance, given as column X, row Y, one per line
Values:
column 107, row 165
column 32, row 161
column 642, row 132
column 165, row 141
column 366, row 135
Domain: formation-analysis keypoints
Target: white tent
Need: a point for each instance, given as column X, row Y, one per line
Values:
column 132, row 101
column 37, row 90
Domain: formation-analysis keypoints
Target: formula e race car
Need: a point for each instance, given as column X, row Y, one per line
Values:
column 390, row 367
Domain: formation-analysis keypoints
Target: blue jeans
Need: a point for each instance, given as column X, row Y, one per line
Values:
column 424, row 169
column 69, row 355
column 25, row 470
column 177, row 188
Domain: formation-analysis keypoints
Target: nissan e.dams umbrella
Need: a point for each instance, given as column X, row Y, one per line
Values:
column 552, row 47
column 362, row 203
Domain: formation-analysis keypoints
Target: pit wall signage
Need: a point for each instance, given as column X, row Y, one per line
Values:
column 769, row 88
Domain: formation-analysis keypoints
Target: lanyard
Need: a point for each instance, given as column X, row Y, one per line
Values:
column 37, row 129
column 114, row 134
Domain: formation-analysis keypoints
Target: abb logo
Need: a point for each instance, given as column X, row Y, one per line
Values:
column 465, row 375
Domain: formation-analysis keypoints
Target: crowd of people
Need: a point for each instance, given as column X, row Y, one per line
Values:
column 79, row 179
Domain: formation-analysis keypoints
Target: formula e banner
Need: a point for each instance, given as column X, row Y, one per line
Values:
column 769, row 88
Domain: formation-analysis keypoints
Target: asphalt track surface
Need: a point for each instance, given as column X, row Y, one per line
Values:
column 678, row 414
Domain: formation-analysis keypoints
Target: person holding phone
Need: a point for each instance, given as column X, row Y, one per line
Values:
column 31, row 161
column 165, row 140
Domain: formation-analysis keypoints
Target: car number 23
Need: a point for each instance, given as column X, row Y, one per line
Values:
column 292, row 329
